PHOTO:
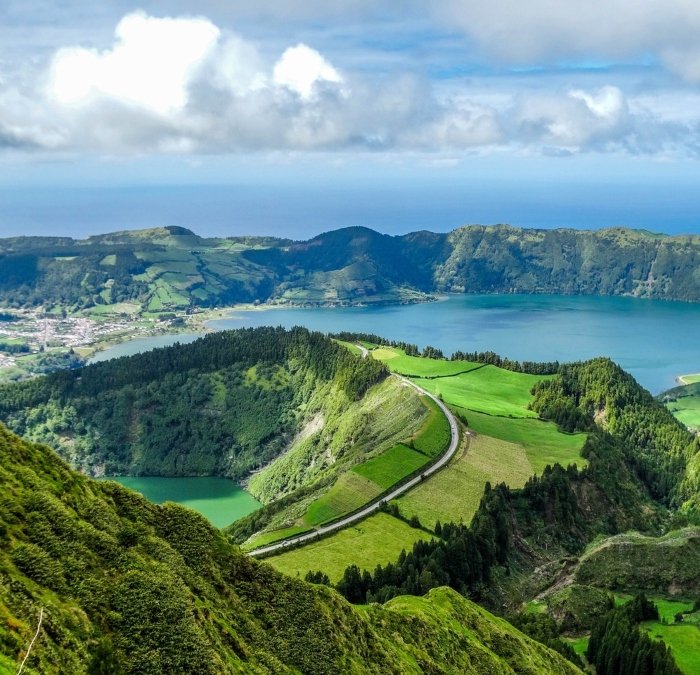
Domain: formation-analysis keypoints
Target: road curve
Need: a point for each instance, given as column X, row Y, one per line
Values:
column 372, row 507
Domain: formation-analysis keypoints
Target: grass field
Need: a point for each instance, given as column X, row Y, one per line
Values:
column 348, row 493
column 416, row 366
column 542, row 441
column 369, row 479
column 391, row 466
column 351, row 347
column 580, row 644
column 374, row 541
column 683, row 638
column 434, row 436
column 687, row 410
column 489, row 389
column 453, row 494
column 684, row 641
column 265, row 538
column 690, row 379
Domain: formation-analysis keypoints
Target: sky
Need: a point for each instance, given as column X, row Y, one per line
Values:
column 298, row 116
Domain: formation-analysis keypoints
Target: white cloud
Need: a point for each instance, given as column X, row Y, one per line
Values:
column 183, row 85
column 150, row 65
column 301, row 68
column 548, row 31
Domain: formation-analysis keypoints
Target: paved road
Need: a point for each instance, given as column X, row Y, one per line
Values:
column 374, row 506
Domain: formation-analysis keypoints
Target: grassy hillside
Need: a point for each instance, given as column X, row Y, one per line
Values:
column 684, row 402
column 130, row 587
column 501, row 449
column 631, row 561
column 376, row 540
column 171, row 268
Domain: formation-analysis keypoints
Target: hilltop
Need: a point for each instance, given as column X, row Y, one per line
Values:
column 171, row 268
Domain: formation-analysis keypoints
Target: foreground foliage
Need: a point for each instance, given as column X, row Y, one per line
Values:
column 131, row 587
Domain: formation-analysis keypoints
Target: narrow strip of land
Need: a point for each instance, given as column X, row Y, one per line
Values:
column 689, row 379
column 374, row 506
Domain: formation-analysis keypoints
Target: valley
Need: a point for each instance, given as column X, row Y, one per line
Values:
column 554, row 468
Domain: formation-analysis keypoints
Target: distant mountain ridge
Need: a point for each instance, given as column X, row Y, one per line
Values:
column 169, row 268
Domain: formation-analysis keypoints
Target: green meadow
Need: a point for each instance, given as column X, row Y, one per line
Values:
column 684, row 641
column 265, row 538
column 391, row 466
column 543, row 443
column 489, row 390
column 348, row 493
column 687, row 410
column 417, row 366
column 434, row 436
column 453, row 493
column 683, row 637
column 369, row 479
column 376, row 540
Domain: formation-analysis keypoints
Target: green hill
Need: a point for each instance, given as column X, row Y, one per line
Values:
column 631, row 561
column 684, row 403
column 166, row 269
column 130, row 587
column 316, row 431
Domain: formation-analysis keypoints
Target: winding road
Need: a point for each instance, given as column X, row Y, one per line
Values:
column 374, row 506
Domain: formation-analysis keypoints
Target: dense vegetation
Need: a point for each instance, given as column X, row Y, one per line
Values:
column 226, row 404
column 170, row 268
column 618, row 646
column 658, row 447
column 635, row 451
column 130, row 587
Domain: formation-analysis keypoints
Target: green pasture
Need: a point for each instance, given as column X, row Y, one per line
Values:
column 687, row 410
column 690, row 379
column 391, row 466
column 683, row 638
column 376, row 540
column 351, row 347
column 453, row 493
column 434, row 436
column 684, row 641
column 265, row 538
column 543, row 442
column 416, row 366
column 489, row 389
column 349, row 492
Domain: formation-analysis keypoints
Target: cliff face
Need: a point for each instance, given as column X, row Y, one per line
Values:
column 167, row 269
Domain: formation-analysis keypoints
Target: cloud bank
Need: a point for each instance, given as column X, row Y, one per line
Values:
column 185, row 85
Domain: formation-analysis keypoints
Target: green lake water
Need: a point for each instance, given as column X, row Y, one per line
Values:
column 219, row 500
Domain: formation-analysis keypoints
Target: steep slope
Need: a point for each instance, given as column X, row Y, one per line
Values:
column 129, row 587
column 504, row 259
column 224, row 405
column 667, row 564
column 166, row 269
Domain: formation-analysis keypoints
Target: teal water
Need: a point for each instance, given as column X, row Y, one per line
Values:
column 219, row 500
column 654, row 340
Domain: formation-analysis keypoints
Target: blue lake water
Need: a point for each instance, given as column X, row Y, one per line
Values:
column 654, row 340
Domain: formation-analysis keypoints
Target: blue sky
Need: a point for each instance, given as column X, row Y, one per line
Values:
column 293, row 117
